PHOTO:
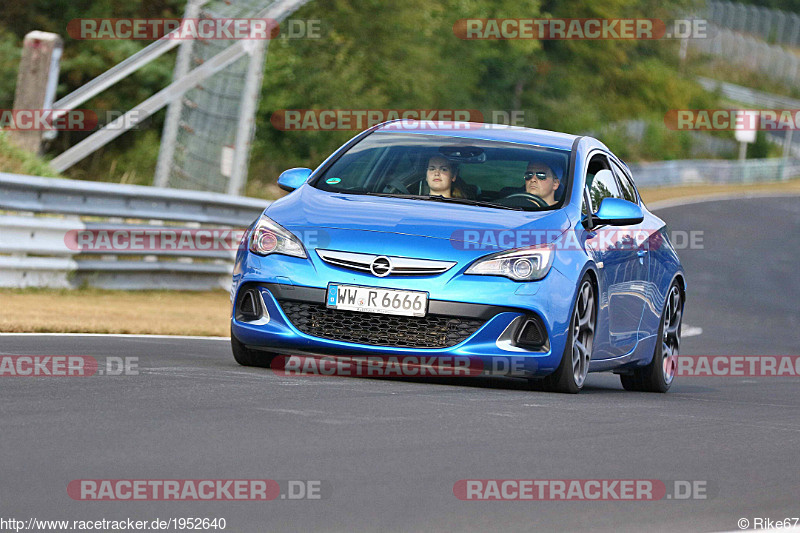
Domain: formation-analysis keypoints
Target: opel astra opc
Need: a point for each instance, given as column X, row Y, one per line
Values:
column 486, row 242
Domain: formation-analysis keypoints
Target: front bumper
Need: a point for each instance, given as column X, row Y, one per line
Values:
column 295, row 322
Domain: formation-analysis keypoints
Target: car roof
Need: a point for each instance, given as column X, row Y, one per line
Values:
column 486, row 132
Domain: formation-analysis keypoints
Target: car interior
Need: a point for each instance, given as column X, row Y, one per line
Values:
column 410, row 179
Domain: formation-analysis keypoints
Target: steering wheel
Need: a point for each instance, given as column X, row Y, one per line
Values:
column 527, row 196
column 396, row 185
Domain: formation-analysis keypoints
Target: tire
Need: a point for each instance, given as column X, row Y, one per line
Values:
column 660, row 373
column 570, row 375
column 247, row 357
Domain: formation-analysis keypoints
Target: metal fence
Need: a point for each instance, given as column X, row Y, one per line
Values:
column 774, row 61
column 222, row 74
column 771, row 25
column 208, row 131
column 40, row 217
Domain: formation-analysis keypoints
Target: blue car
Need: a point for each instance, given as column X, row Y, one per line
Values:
column 527, row 252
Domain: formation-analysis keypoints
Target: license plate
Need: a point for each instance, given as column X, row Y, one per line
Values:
column 377, row 300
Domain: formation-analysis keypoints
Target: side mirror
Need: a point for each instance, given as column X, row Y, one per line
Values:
column 291, row 179
column 617, row 212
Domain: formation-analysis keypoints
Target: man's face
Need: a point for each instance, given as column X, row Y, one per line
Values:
column 543, row 188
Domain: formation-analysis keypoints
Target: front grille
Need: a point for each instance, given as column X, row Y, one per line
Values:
column 381, row 266
column 432, row 331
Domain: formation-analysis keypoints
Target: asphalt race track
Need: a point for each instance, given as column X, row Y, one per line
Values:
column 390, row 450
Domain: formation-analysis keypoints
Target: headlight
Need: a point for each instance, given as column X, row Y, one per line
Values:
column 524, row 264
column 269, row 237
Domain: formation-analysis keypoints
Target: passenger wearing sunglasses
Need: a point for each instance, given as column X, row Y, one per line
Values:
column 541, row 181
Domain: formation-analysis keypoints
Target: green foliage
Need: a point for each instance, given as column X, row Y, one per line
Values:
column 759, row 149
column 379, row 54
column 10, row 52
column 14, row 160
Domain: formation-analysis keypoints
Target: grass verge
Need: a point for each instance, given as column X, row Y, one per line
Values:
column 689, row 191
column 103, row 311
column 15, row 160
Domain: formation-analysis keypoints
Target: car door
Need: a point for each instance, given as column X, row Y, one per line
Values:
column 649, row 229
column 622, row 259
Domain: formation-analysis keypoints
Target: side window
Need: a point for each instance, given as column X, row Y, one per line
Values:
column 600, row 181
column 628, row 190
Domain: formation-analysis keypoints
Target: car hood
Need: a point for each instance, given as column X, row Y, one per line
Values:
column 308, row 207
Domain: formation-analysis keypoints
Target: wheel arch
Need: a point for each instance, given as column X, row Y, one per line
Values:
column 681, row 279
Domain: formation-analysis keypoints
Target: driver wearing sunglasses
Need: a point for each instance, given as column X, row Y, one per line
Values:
column 541, row 181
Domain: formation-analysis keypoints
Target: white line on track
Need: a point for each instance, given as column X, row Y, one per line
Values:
column 120, row 335
column 691, row 331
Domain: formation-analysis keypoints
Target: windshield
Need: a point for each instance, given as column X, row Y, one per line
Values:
column 453, row 169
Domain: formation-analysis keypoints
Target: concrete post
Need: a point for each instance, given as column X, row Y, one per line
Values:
column 37, row 81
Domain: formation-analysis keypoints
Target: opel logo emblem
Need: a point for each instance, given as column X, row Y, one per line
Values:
column 381, row 266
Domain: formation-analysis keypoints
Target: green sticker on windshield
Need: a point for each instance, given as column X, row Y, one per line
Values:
column 333, row 181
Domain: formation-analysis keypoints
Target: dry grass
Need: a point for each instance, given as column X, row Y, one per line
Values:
column 197, row 313
column 101, row 311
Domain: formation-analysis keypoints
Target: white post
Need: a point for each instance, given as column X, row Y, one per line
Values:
column 36, row 82
column 787, row 152
column 742, row 151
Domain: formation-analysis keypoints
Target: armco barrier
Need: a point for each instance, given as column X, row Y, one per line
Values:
column 36, row 215
column 720, row 171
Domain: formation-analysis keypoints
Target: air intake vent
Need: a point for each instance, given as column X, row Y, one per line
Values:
column 249, row 306
column 532, row 334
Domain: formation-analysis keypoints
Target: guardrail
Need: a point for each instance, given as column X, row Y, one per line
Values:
column 40, row 219
column 691, row 171
column 758, row 100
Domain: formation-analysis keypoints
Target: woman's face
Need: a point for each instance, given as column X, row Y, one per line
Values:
column 440, row 176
